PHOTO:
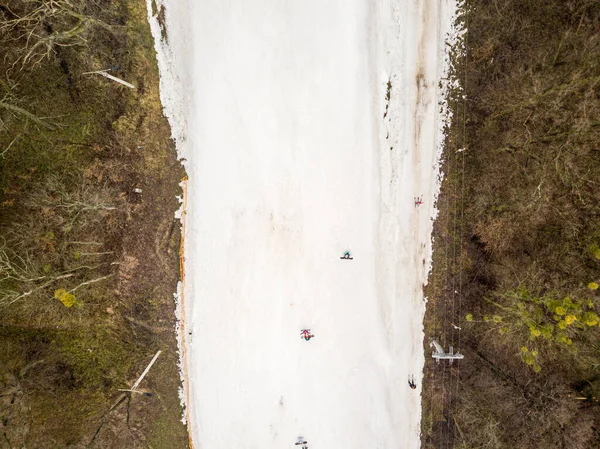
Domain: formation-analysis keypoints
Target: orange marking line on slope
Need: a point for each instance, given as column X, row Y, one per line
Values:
column 182, row 307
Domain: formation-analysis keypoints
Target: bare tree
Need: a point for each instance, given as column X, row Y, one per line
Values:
column 65, row 249
column 37, row 27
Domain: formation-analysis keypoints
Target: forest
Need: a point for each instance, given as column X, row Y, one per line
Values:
column 516, row 263
column 88, row 243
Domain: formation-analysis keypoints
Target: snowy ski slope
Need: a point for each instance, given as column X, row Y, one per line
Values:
column 308, row 128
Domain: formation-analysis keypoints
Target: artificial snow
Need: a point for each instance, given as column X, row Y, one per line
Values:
column 308, row 129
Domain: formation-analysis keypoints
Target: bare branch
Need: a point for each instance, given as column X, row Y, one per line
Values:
column 8, row 147
column 29, row 115
column 91, row 282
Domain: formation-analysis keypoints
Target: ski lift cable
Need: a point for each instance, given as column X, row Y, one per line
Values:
column 462, row 194
column 464, row 141
column 453, row 392
column 450, row 292
column 454, row 242
column 457, row 238
column 447, row 257
column 442, row 297
column 435, row 270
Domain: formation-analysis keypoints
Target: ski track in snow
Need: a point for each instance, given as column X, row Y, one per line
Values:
column 294, row 155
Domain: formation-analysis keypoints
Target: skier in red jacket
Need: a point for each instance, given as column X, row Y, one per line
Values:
column 306, row 334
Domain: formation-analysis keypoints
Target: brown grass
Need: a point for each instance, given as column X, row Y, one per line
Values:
column 69, row 219
column 528, row 218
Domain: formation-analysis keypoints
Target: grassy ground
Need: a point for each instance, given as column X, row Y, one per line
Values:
column 516, row 255
column 88, row 266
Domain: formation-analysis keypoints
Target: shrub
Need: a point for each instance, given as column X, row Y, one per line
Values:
column 68, row 299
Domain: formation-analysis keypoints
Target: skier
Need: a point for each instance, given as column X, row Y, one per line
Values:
column 411, row 382
column 346, row 256
column 306, row 334
column 419, row 200
column 301, row 441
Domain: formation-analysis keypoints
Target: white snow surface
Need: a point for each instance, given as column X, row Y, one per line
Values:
column 278, row 109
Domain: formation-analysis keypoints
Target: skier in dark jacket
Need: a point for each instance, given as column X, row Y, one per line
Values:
column 411, row 382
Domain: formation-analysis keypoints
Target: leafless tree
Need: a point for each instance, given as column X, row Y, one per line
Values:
column 37, row 27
